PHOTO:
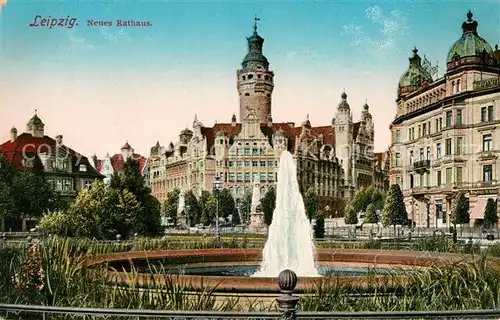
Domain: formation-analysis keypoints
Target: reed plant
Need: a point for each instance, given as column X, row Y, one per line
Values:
column 66, row 282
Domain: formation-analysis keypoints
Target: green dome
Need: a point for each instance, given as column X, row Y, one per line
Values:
column 470, row 44
column 415, row 74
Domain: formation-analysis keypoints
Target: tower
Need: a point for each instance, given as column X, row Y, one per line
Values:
column 255, row 81
column 35, row 126
column 343, row 137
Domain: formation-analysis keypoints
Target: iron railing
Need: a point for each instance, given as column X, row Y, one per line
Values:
column 287, row 305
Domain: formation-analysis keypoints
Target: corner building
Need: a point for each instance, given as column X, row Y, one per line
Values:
column 333, row 160
column 446, row 136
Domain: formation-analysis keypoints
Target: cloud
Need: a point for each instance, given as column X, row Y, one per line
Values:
column 117, row 36
column 74, row 43
column 2, row 3
column 392, row 28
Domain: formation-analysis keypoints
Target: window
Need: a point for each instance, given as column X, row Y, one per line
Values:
column 458, row 145
column 487, row 142
column 411, row 181
column 255, row 176
column 440, row 124
column 262, row 163
column 239, row 176
column 453, row 87
column 484, row 115
column 83, row 168
column 255, row 163
column 247, row 176
column 437, row 125
column 398, row 135
column 438, row 178
column 458, row 120
column 88, row 184
column 263, row 176
column 398, row 159
column 447, row 147
column 248, row 151
column 428, row 127
column 448, row 175
column 270, row 176
column 490, row 113
column 449, row 117
column 487, row 173
column 398, row 180
column 459, row 174
column 424, row 129
column 232, row 176
column 421, row 154
column 409, row 134
column 270, row 163
column 419, row 131
column 459, row 87
column 411, row 156
column 438, row 150
column 428, row 153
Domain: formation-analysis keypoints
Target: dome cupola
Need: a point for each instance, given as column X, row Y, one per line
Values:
column 415, row 77
column 470, row 49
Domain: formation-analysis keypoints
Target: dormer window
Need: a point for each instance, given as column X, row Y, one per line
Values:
column 83, row 168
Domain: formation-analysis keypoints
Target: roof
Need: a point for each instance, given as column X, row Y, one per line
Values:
column 28, row 145
column 290, row 131
column 470, row 43
column 118, row 163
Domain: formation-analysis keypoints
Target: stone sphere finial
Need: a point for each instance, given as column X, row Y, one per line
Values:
column 287, row 280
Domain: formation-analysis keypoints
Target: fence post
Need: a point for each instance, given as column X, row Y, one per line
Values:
column 287, row 302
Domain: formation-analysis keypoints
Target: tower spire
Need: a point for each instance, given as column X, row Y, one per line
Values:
column 255, row 23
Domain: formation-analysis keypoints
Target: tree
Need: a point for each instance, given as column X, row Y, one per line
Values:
column 208, row 205
column 366, row 196
column 171, row 203
column 268, row 203
column 310, row 203
column 490, row 213
column 351, row 216
column 394, row 212
column 226, row 203
column 99, row 212
column 235, row 217
column 245, row 206
column 194, row 207
column 319, row 227
column 33, row 196
column 371, row 214
column 459, row 212
column 149, row 219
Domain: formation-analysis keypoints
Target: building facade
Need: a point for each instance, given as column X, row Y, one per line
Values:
column 67, row 171
column 333, row 160
column 111, row 164
column 446, row 136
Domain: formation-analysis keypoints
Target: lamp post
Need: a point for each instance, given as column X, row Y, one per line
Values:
column 412, row 201
column 188, row 207
column 216, row 189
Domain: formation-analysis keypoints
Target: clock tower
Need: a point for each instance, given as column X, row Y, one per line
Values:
column 255, row 81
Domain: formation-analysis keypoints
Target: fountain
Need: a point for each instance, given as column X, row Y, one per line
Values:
column 289, row 242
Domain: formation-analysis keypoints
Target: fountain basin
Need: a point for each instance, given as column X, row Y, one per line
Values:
column 210, row 258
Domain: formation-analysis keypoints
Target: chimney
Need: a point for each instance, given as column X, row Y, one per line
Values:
column 13, row 134
column 94, row 160
column 233, row 120
column 291, row 124
column 59, row 140
column 270, row 121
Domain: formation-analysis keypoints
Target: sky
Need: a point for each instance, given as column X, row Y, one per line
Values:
column 100, row 86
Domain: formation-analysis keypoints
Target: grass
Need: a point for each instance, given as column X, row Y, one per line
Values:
column 473, row 285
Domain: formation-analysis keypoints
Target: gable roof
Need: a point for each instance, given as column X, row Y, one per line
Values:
column 27, row 145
